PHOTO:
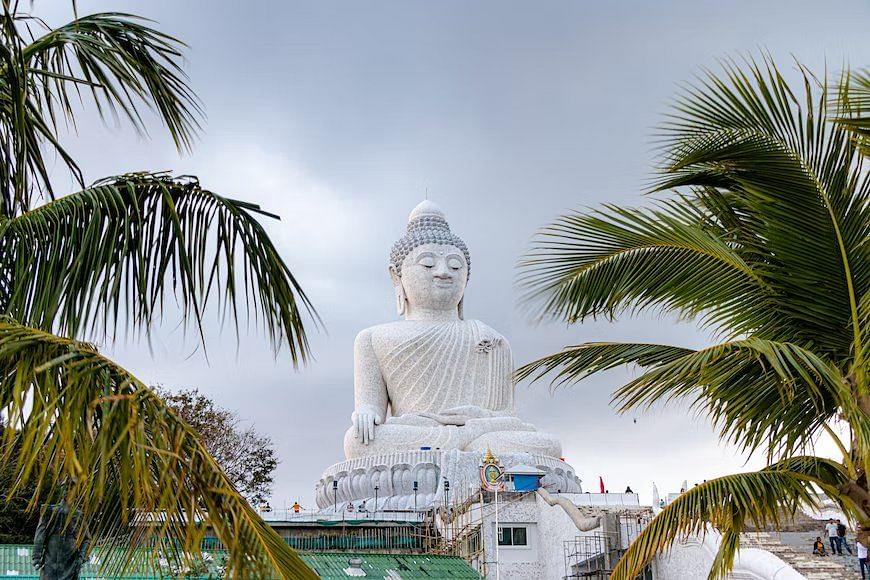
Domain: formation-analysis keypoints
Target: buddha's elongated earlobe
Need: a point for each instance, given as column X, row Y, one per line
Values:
column 459, row 309
column 401, row 300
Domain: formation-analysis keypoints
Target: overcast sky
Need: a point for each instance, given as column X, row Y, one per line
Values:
column 338, row 116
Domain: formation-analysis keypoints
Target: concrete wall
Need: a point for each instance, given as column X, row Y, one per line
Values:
column 555, row 527
column 514, row 562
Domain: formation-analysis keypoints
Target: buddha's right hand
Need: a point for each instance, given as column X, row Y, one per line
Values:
column 364, row 420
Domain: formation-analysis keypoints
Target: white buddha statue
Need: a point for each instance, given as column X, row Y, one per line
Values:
column 435, row 379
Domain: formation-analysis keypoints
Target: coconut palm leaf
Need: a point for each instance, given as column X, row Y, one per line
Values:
column 135, row 470
column 117, row 59
column 575, row 363
column 854, row 102
column 770, row 237
column 123, row 63
column 801, row 182
column 763, row 236
column 727, row 504
column 759, row 393
column 111, row 254
column 607, row 261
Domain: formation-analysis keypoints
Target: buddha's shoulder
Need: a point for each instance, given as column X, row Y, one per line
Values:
column 380, row 332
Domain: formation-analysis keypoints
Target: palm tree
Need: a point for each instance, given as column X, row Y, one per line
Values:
column 760, row 231
column 103, row 260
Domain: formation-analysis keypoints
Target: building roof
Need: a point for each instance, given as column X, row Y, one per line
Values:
column 333, row 565
column 524, row 470
column 15, row 560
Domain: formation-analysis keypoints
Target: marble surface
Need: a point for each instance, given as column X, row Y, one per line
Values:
column 692, row 557
column 395, row 473
column 435, row 379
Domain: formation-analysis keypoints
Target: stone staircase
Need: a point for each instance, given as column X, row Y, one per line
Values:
column 812, row 567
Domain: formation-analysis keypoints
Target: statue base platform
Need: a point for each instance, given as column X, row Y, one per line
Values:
column 394, row 475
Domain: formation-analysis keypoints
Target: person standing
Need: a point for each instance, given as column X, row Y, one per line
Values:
column 862, row 558
column 833, row 538
column 56, row 553
column 841, row 537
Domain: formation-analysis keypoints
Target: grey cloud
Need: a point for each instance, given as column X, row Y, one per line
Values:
column 338, row 115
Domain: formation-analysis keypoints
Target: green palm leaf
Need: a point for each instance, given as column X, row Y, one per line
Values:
column 758, row 392
column 763, row 235
column 128, row 462
column 123, row 63
column 117, row 59
column 854, row 103
column 798, row 180
column 105, row 259
column 113, row 252
column 604, row 262
column 727, row 504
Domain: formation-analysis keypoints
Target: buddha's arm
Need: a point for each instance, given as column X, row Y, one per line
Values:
column 369, row 389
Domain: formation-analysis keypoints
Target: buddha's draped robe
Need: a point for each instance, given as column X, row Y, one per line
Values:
column 448, row 365
column 450, row 386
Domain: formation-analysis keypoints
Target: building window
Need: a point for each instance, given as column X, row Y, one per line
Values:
column 512, row 536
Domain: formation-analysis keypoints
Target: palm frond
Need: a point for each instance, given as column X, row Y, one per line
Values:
column 115, row 251
column 91, row 432
column 575, row 363
column 117, row 59
column 854, row 104
column 799, row 183
column 727, row 504
column 123, row 63
column 586, row 265
column 759, row 393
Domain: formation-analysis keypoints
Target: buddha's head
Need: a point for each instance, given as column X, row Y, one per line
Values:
column 429, row 265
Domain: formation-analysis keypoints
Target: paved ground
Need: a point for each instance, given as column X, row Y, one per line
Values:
column 796, row 548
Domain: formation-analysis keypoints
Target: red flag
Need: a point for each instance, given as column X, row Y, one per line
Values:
column 601, row 483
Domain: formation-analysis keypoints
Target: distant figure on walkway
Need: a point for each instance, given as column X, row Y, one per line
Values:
column 350, row 506
column 628, row 489
column 819, row 547
column 296, row 507
column 833, row 538
column 55, row 551
column 862, row 558
column 841, row 537
column 661, row 503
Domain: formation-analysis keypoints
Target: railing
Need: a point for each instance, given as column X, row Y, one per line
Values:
column 603, row 499
column 303, row 516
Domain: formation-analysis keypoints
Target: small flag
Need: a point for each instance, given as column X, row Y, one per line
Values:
column 601, row 483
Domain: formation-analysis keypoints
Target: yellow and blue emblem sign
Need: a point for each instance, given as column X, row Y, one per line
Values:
column 491, row 473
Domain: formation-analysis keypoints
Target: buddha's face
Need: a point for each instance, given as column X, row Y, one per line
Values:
column 434, row 277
